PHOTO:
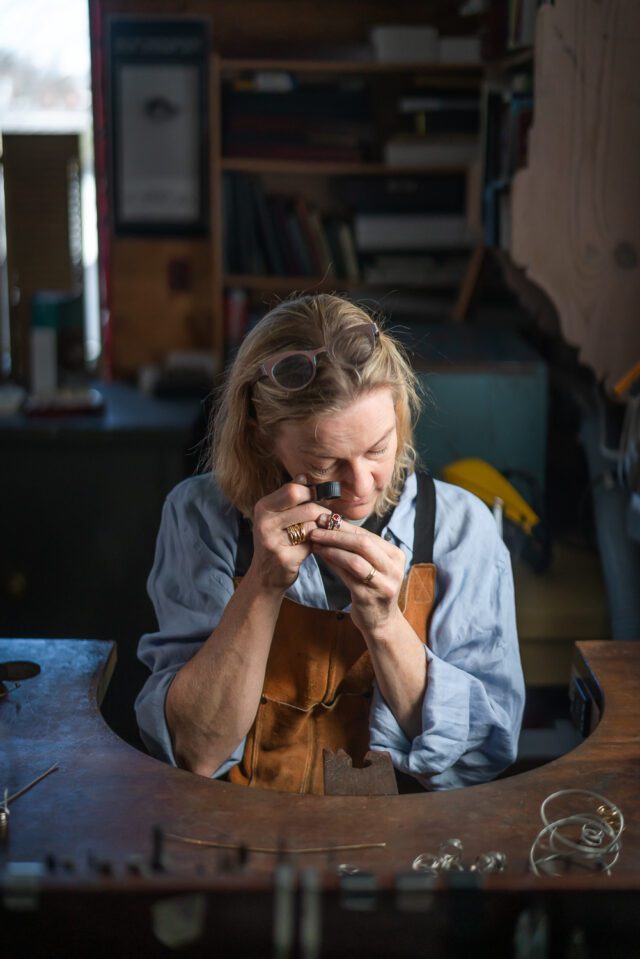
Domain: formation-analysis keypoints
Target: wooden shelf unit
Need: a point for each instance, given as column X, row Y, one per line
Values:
column 444, row 76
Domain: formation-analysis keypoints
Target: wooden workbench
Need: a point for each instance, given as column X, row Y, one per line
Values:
column 95, row 878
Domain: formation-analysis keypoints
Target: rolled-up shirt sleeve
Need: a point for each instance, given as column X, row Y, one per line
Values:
column 472, row 707
column 190, row 584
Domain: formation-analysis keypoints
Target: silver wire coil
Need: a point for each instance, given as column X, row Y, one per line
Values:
column 586, row 838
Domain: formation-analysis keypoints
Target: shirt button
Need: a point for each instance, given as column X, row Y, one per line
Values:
column 388, row 536
column 263, row 700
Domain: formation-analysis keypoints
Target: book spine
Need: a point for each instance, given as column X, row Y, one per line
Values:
column 267, row 231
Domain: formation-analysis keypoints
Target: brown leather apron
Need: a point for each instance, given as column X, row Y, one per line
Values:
column 319, row 680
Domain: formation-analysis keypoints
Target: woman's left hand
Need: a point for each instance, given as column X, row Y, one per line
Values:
column 371, row 568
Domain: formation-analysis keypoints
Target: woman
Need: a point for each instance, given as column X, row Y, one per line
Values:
column 382, row 619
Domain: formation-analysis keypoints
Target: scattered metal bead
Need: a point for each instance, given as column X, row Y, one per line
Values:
column 426, row 862
column 450, row 852
column 451, row 847
column 488, row 862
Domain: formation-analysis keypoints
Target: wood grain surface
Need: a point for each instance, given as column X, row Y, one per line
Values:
column 106, row 797
column 574, row 209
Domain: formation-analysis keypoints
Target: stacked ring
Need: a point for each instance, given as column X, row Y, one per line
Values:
column 296, row 533
column 372, row 572
column 334, row 521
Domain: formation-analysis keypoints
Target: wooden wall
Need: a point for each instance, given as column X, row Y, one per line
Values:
column 581, row 184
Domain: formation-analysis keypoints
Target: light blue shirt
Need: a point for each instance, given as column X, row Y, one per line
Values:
column 472, row 708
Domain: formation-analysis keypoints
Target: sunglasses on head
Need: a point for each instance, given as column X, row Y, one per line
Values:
column 294, row 369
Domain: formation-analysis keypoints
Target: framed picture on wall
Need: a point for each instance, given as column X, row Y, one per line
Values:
column 159, row 129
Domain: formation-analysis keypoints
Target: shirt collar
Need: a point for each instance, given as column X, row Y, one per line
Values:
column 402, row 522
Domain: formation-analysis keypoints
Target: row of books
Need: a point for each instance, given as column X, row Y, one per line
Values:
column 507, row 117
column 427, row 193
column 275, row 234
column 521, row 23
column 280, row 235
column 406, row 214
column 507, row 26
column 327, row 122
column 434, row 110
column 436, row 127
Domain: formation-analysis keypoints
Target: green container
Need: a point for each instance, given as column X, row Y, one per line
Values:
column 64, row 312
column 57, row 308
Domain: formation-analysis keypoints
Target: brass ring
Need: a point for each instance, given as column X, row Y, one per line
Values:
column 296, row 533
column 372, row 572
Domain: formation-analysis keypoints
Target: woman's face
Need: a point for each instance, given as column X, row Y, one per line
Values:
column 356, row 446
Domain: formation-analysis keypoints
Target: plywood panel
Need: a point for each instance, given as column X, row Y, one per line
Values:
column 576, row 227
column 38, row 171
column 161, row 300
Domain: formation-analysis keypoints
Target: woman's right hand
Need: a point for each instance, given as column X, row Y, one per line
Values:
column 275, row 561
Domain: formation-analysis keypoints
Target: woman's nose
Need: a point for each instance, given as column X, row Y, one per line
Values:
column 359, row 479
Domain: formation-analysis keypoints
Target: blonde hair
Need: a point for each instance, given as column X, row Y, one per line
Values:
column 246, row 422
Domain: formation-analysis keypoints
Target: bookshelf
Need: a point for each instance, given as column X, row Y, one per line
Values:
column 318, row 183
column 507, row 113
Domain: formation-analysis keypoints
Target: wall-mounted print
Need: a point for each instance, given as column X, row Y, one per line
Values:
column 159, row 125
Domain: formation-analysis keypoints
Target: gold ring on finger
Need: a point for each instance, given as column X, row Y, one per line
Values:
column 296, row 533
column 372, row 572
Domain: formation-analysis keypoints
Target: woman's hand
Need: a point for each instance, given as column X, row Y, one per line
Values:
column 276, row 562
column 371, row 568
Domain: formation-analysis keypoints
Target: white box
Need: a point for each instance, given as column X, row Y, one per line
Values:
column 409, row 43
column 44, row 359
column 410, row 231
column 420, row 151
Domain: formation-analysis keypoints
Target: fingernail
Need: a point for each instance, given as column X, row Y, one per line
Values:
column 322, row 520
column 300, row 478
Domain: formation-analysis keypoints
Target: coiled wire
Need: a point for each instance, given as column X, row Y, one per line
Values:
column 587, row 838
